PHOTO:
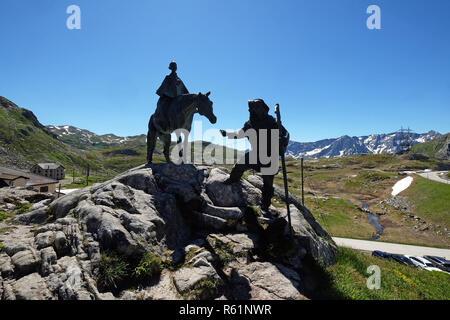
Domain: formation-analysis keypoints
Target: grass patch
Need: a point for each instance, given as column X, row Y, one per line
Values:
column 256, row 210
column 203, row 290
column 80, row 182
column 118, row 272
column 4, row 230
column 1, row 247
column 373, row 176
column 22, row 207
column 365, row 180
column 4, row 215
column 224, row 251
column 430, row 200
column 346, row 279
column 340, row 218
column 113, row 269
column 191, row 254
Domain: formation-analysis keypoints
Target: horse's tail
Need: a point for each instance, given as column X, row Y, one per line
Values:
column 151, row 124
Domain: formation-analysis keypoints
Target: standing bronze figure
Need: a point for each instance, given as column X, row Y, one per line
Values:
column 175, row 110
column 259, row 119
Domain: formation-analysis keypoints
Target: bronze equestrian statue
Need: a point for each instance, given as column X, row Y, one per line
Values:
column 175, row 110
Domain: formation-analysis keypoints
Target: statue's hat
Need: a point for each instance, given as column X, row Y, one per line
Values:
column 258, row 104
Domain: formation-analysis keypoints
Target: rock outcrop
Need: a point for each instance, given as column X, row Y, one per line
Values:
column 444, row 151
column 159, row 232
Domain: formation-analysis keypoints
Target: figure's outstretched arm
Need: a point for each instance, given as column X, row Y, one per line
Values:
column 240, row 134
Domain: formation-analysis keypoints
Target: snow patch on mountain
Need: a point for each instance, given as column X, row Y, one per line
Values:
column 71, row 135
column 316, row 151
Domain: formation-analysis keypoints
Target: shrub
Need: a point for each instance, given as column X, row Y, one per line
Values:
column 149, row 266
column 1, row 247
column 112, row 270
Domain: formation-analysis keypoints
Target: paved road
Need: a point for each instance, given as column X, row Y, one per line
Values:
column 433, row 175
column 392, row 247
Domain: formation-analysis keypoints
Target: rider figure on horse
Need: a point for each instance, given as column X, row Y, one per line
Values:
column 175, row 111
column 171, row 88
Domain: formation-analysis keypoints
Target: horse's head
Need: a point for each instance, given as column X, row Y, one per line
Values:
column 205, row 107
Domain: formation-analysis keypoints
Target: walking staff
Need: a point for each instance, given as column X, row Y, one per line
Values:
column 283, row 165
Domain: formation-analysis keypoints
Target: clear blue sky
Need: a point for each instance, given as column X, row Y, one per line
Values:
column 331, row 75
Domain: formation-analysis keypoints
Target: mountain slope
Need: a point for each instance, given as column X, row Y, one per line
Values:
column 85, row 139
column 438, row 147
column 25, row 141
column 345, row 145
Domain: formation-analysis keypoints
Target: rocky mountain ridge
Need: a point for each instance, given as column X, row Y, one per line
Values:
column 438, row 147
column 346, row 145
column 342, row 146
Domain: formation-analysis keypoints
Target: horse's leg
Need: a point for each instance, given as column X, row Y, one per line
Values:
column 165, row 138
column 151, row 141
column 187, row 129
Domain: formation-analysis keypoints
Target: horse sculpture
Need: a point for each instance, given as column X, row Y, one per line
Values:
column 180, row 114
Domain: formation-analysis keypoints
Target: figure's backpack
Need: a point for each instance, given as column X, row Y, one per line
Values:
column 284, row 140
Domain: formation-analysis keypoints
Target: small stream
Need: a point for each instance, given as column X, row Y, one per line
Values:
column 374, row 220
